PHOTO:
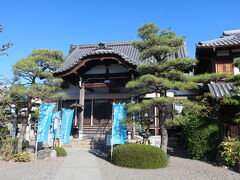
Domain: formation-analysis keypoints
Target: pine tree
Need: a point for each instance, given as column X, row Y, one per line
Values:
column 165, row 74
column 36, row 81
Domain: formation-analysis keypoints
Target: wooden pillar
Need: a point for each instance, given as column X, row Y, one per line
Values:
column 76, row 115
column 156, row 121
column 81, row 101
column 92, row 112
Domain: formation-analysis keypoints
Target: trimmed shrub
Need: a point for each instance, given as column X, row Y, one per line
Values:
column 60, row 151
column 139, row 156
column 21, row 157
column 203, row 136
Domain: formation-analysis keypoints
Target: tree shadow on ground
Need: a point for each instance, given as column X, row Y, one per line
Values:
column 177, row 151
column 100, row 154
column 172, row 151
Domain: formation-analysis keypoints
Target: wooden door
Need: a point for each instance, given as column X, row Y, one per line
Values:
column 102, row 112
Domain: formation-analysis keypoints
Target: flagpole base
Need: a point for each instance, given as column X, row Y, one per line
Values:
column 80, row 134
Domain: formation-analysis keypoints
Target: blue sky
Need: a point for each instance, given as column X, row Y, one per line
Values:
column 55, row 24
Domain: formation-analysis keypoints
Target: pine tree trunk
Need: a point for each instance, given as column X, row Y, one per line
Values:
column 163, row 130
column 164, row 138
column 21, row 136
column 24, row 125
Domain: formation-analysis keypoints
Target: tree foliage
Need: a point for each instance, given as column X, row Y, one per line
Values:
column 35, row 80
column 165, row 74
column 35, row 75
column 202, row 133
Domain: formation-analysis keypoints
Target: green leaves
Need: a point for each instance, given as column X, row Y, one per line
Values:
column 179, row 64
column 34, row 74
column 159, row 84
column 234, row 79
column 157, row 43
column 156, row 50
column 161, row 102
column 147, row 30
column 237, row 63
column 207, row 78
column 38, row 64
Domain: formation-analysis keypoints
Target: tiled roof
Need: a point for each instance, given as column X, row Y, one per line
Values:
column 218, row 90
column 122, row 49
column 228, row 38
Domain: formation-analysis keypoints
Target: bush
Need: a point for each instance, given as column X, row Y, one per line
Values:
column 21, row 157
column 230, row 151
column 203, row 136
column 4, row 132
column 25, row 144
column 139, row 156
column 60, row 151
column 6, row 148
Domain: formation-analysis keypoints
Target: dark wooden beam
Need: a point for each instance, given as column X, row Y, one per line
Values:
column 126, row 74
column 103, row 85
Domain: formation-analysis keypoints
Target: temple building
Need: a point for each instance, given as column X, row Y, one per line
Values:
column 95, row 76
column 218, row 56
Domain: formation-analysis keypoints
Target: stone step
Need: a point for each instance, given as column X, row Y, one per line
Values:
column 86, row 143
column 83, row 146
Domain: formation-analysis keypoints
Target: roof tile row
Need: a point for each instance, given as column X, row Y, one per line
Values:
column 122, row 49
column 228, row 38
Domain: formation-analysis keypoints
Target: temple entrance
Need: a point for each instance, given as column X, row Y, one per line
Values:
column 98, row 112
column 102, row 112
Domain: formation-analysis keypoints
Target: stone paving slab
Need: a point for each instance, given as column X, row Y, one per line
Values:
column 79, row 164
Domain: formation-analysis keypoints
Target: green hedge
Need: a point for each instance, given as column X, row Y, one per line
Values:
column 139, row 156
column 203, row 136
column 60, row 151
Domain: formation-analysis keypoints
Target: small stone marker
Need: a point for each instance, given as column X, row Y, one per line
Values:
column 155, row 141
column 46, row 153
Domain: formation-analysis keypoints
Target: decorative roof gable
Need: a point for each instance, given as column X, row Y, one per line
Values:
column 122, row 49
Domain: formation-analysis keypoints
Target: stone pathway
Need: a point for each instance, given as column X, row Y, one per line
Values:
column 79, row 164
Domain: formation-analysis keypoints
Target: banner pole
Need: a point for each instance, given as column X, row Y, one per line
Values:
column 60, row 138
column 112, row 131
column 36, row 145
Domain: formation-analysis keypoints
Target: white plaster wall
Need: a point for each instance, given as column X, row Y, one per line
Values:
column 235, row 69
column 72, row 92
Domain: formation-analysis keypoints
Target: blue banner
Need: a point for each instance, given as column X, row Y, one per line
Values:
column 67, row 118
column 45, row 117
column 119, row 130
column 56, row 125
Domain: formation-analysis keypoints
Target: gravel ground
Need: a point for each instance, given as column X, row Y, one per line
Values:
column 45, row 169
column 179, row 169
